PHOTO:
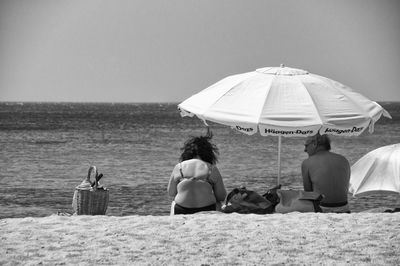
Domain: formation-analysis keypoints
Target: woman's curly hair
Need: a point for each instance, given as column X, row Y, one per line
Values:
column 200, row 147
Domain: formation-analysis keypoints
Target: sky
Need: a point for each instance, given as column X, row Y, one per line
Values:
column 168, row 50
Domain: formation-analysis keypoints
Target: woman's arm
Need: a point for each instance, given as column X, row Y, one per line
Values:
column 172, row 190
column 219, row 188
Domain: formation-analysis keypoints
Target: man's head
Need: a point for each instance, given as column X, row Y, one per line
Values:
column 317, row 143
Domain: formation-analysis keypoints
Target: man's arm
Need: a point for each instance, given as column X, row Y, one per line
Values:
column 306, row 177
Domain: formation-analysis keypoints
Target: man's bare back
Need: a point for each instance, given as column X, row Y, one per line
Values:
column 325, row 172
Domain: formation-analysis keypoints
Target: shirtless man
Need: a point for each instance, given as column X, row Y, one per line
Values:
column 327, row 173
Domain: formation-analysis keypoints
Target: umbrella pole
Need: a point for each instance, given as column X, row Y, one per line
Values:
column 279, row 159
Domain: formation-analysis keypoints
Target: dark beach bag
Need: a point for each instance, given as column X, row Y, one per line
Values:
column 89, row 197
column 276, row 200
column 242, row 200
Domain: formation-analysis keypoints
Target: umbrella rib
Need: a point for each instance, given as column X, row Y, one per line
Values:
column 365, row 112
column 364, row 180
column 345, row 92
column 221, row 96
column 232, row 88
column 395, row 168
column 262, row 106
column 314, row 104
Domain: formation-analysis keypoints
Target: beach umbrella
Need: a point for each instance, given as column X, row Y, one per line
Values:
column 378, row 170
column 284, row 102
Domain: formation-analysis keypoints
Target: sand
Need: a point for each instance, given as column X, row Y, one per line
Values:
column 205, row 238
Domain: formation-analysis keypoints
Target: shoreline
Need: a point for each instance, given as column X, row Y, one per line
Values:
column 368, row 238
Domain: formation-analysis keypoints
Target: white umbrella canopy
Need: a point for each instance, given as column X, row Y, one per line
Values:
column 378, row 170
column 283, row 101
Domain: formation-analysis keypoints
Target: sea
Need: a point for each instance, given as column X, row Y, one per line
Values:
column 46, row 150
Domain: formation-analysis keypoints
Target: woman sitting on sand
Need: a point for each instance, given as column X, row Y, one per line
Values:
column 196, row 183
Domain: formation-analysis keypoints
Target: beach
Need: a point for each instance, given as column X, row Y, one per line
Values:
column 49, row 148
column 209, row 238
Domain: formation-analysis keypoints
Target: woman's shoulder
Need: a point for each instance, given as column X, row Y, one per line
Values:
column 194, row 168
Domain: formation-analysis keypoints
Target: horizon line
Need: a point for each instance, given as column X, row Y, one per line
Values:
column 144, row 102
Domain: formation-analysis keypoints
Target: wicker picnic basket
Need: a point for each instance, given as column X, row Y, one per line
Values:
column 89, row 198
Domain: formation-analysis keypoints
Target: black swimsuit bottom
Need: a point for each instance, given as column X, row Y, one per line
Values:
column 178, row 209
